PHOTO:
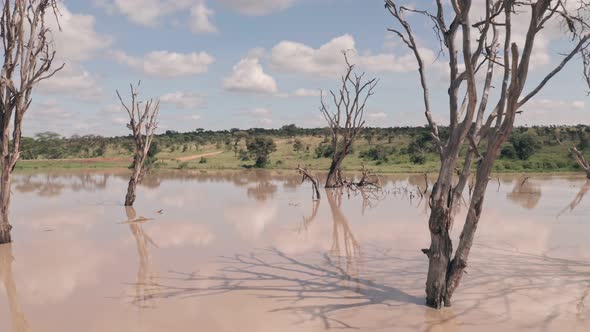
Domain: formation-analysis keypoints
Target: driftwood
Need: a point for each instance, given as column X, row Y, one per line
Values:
column 470, row 47
column 314, row 181
column 347, row 121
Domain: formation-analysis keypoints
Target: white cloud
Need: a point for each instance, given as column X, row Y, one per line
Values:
column 49, row 110
column 377, row 115
column 307, row 92
column 120, row 120
column 258, row 7
column 248, row 76
column 260, row 111
column 165, row 64
column 113, row 108
column 327, row 60
column 143, row 12
column 74, row 81
column 551, row 111
column 195, row 117
column 77, row 40
column 184, row 100
column 201, row 19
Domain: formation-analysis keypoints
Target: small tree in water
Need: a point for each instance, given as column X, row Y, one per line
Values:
column 28, row 59
column 260, row 149
column 485, row 44
column 143, row 124
column 347, row 121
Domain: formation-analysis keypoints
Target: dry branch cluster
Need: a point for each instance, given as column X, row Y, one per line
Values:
column 28, row 60
column 143, row 121
column 472, row 48
column 347, row 120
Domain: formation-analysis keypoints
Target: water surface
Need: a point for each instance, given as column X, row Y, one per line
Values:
column 250, row 251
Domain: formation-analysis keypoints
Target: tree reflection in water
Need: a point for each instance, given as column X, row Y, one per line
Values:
column 145, row 285
column 577, row 199
column 19, row 322
column 525, row 193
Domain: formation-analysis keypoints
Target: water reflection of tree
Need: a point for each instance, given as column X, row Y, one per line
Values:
column 578, row 199
column 19, row 322
column 342, row 234
column 263, row 189
column 525, row 193
column 50, row 185
column 145, row 284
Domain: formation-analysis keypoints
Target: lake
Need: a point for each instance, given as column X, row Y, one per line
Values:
column 251, row 251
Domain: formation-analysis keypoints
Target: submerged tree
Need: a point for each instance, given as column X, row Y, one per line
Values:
column 143, row 121
column 28, row 59
column 484, row 45
column 347, row 121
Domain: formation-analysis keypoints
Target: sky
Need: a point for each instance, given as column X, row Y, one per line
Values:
column 221, row 64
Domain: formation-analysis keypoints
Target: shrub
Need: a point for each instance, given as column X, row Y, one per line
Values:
column 260, row 149
column 524, row 145
column 203, row 160
column 418, row 158
column 378, row 153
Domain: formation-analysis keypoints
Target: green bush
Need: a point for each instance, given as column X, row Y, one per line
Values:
column 524, row 145
column 260, row 149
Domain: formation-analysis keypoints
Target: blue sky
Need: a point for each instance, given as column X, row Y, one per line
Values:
column 219, row 64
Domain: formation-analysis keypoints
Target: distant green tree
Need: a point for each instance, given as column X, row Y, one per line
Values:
column 260, row 149
column 524, row 144
column 297, row 145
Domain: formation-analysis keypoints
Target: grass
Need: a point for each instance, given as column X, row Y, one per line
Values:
column 547, row 159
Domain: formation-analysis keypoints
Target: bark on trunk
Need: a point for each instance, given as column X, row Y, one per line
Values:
column 5, row 226
column 333, row 180
column 441, row 246
column 133, row 181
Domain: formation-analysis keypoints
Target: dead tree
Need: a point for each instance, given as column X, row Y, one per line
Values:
column 143, row 121
column 484, row 44
column 28, row 59
column 347, row 121
column 581, row 161
column 306, row 175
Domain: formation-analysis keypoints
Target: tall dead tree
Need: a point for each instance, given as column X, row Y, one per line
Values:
column 143, row 121
column 475, row 43
column 28, row 59
column 581, row 161
column 347, row 121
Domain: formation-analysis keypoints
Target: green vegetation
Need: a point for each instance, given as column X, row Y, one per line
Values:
column 260, row 149
column 534, row 149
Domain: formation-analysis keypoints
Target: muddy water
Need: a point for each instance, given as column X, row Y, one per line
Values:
column 248, row 251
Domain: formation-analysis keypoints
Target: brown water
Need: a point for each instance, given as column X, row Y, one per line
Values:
column 250, row 251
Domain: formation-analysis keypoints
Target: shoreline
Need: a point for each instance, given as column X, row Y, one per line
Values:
column 94, row 164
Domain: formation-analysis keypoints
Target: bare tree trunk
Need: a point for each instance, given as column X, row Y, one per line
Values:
column 333, row 179
column 467, row 123
column 28, row 56
column 133, row 181
column 5, row 226
column 441, row 246
column 581, row 161
column 143, row 124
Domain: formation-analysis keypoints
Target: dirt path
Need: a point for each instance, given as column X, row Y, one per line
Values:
column 197, row 156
